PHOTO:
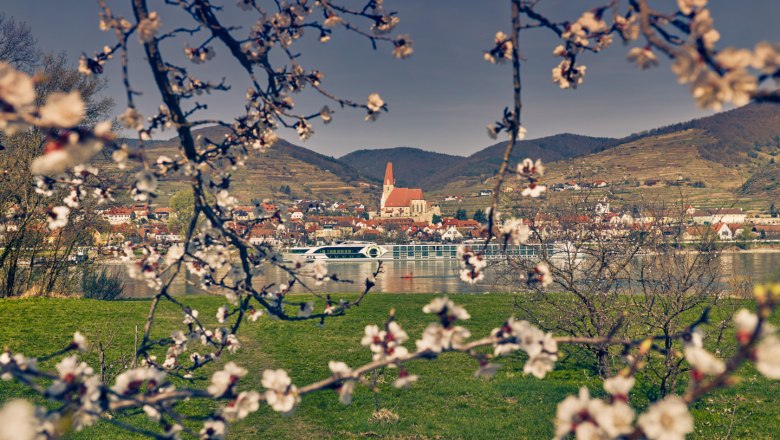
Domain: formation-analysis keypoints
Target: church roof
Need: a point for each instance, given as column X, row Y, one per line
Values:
column 402, row 197
column 389, row 179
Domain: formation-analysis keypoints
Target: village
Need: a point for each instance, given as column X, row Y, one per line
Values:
column 404, row 216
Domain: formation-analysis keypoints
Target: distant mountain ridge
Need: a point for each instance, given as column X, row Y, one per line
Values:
column 284, row 172
column 431, row 170
column 413, row 167
column 740, row 143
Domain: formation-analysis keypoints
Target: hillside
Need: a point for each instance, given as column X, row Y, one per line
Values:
column 308, row 174
column 721, row 160
column 727, row 156
column 734, row 133
column 662, row 167
column 484, row 163
column 413, row 167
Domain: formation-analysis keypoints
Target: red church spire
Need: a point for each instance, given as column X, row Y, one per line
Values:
column 389, row 179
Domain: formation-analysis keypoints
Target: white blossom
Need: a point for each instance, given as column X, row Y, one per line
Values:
column 175, row 252
column 405, row 380
column 437, row 338
column 79, row 342
column 619, row 386
column 668, row 419
column 190, row 316
column 280, row 393
column 16, row 88
column 246, row 403
column 567, row 76
column 131, row 119
column 731, row 58
column 63, row 110
column 687, row 64
column 644, row 57
column 540, row 364
column 148, row 27
column 766, row 57
column 345, row 391
column 445, row 305
column 222, row 381
column 741, row 86
column 152, row 412
column 688, row 6
column 767, row 356
column 702, row 28
column 58, row 217
column 403, row 46
column 569, row 413
column 516, row 231
column 213, row 430
column 615, row 419
column 703, row 362
column 375, row 102
column 18, row 421
column 130, row 381
column 339, row 369
column 541, row 274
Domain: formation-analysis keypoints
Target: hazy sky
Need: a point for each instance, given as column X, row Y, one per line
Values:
column 441, row 98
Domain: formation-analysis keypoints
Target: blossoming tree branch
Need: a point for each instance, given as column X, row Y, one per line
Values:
column 216, row 248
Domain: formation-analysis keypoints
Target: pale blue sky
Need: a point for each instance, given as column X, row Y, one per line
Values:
column 441, row 98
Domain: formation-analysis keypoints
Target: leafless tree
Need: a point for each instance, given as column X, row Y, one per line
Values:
column 17, row 43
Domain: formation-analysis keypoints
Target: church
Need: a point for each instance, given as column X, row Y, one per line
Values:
column 404, row 202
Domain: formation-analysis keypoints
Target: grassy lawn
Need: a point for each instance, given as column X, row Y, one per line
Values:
column 447, row 402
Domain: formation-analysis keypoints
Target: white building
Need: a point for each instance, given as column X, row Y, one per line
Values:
column 452, row 234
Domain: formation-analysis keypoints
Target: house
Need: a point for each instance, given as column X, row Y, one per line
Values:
column 118, row 215
column 485, row 192
column 722, row 215
column 765, row 220
column 162, row 213
column 296, row 214
column 141, row 212
column 452, row 234
column 599, row 184
column 767, row 231
column 723, row 231
column 730, row 215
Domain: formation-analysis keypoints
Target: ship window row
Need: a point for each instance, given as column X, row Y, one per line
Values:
column 337, row 251
column 402, row 251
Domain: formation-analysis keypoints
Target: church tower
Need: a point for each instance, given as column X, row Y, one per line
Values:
column 389, row 183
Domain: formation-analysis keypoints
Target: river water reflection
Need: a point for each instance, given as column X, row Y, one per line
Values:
column 442, row 276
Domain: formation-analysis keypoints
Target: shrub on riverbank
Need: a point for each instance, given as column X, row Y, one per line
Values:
column 102, row 283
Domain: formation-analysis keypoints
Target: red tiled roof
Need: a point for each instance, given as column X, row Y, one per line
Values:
column 401, row 197
column 118, row 211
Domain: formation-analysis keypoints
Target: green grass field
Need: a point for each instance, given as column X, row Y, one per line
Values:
column 447, row 401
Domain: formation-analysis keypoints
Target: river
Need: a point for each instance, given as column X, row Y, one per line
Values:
column 442, row 277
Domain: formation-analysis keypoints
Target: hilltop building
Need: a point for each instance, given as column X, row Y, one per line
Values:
column 404, row 202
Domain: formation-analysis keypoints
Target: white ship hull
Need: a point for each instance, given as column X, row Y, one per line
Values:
column 367, row 251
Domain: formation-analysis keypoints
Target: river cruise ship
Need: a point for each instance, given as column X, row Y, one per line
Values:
column 369, row 251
